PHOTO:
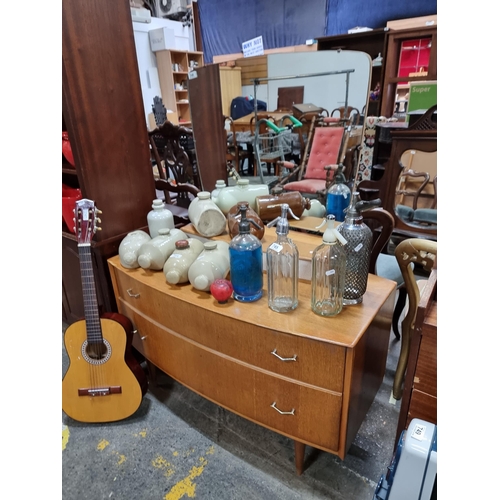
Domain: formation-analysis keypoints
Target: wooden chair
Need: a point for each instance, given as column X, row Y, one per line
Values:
column 324, row 152
column 381, row 222
column 159, row 111
column 235, row 154
column 309, row 120
column 175, row 172
column 348, row 115
column 411, row 253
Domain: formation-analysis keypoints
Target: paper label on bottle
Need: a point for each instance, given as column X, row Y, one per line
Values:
column 359, row 247
column 276, row 247
column 330, row 272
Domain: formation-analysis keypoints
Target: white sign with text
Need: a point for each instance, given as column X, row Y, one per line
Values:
column 253, row 47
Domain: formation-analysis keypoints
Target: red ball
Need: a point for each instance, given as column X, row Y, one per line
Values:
column 221, row 290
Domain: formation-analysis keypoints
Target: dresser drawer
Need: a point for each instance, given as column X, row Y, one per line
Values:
column 243, row 389
column 314, row 362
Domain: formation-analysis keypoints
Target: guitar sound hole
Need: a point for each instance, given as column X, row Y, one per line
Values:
column 96, row 351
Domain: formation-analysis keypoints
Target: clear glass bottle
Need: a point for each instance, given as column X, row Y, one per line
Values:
column 282, row 266
column 328, row 272
column 245, row 262
column 358, row 249
column 338, row 196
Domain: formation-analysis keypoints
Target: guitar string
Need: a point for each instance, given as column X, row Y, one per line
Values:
column 95, row 346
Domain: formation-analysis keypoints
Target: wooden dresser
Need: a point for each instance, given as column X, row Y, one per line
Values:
column 420, row 393
column 307, row 377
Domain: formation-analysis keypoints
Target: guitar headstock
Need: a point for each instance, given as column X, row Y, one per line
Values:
column 86, row 220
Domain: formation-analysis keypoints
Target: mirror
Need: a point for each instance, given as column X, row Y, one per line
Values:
column 328, row 79
column 415, row 200
column 329, row 91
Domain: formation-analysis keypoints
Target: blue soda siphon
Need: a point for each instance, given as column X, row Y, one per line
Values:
column 338, row 196
column 282, row 266
column 245, row 261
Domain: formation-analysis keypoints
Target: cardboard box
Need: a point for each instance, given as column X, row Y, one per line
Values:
column 421, row 96
column 162, row 39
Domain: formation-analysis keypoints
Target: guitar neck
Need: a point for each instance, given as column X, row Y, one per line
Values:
column 91, row 308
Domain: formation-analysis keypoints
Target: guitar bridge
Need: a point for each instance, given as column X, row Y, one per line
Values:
column 102, row 391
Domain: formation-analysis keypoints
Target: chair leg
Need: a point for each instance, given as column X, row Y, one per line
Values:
column 299, row 457
column 399, row 376
column 398, row 309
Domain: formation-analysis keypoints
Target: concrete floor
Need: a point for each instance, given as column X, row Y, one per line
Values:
column 179, row 446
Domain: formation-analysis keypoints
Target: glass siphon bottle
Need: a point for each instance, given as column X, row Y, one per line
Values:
column 338, row 196
column 245, row 261
column 328, row 272
column 282, row 266
column 358, row 249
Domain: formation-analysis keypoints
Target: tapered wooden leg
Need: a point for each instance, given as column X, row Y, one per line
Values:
column 300, row 449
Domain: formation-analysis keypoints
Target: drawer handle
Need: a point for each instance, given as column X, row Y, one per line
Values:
column 134, row 295
column 284, row 359
column 283, row 412
column 137, row 331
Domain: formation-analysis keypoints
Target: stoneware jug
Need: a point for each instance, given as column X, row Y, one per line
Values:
column 243, row 191
column 177, row 265
column 129, row 248
column 159, row 218
column 211, row 264
column 206, row 217
column 221, row 183
column 269, row 206
column 154, row 253
column 234, row 218
column 317, row 210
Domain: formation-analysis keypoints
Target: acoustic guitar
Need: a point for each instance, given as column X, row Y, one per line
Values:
column 104, row 382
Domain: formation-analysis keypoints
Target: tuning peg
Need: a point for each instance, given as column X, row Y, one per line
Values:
column 98, row 228
column 97, row 211
column 98, row 220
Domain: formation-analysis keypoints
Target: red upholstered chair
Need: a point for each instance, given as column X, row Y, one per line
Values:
column 326, row 150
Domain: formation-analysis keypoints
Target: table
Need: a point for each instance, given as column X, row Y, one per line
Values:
column 307, row 377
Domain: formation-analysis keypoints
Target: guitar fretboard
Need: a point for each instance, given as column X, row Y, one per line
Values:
column 91, row 309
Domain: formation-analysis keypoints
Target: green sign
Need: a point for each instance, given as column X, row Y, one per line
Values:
column 422, row 96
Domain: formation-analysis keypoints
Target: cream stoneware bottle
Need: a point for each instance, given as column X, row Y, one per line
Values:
column 159, row 218
column 206, row 217
column 154, row 253
column 211, row 264
column 243, row 191
column 129, row 248
column 177, row 265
